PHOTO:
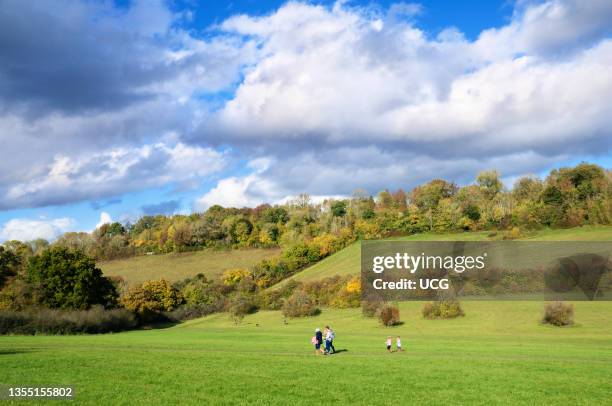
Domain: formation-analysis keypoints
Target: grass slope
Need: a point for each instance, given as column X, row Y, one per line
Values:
column 496, row 354
column 174, row 267
column 347, row 261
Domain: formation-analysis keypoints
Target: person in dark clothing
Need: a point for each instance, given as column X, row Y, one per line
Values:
column 318, row 341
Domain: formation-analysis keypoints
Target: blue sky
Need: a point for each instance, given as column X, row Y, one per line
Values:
column 112, row 110
column 469, row 16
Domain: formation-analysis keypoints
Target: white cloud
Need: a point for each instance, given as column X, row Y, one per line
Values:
column 343, row 97
column 105, row 218
column 113, row 172
column 28, row 229
column 338, row 173
column 329, row 77
column 247, row 191
column 327, row 99
column 128, row 91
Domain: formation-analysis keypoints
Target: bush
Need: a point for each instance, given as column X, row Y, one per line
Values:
column 371, row 305
column 190, row 312
column 389, row 315
column 558, row 314
column 49, row 321
column 240, row 306
column 349, row 295
column 273, row 299
column 300, row 304
column 270, row 299
column 17, row 295
column 443, row 309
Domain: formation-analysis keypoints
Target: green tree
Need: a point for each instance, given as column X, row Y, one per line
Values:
column 275, row 215
column 151, row 298
column 489, row 183
column 338, row 208
column 69, row 279
column 9, row 263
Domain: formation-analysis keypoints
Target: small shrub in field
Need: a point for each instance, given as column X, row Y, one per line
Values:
column 558, row 314
column 443, row 309
column 371, row 305
column 513, row 234
column 430, row 311
column 300, row 304
column 240, row 306
column 389, row 315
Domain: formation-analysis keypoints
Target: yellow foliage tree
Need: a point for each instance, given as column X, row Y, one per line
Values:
column 232, row 277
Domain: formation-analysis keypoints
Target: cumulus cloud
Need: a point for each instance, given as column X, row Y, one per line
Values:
column 345, row 97
column 247, row 191
column 93, row 56
column 105, row 218
column 111, row 172
column 320, row 99
column 24, row 229
column 95, row 78
column 332, row 76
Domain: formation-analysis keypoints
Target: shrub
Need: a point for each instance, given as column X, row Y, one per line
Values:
column 16, row 295
column 300, row 304
column 232, row 277
column 558, row 314
column 513, row 234
column 349, row 295
column 430, row 311
column 240, row 306
column 371, row 305
column 443, row 309
column 50, row 321
column 389, row 315
column 189, row 312
column 270, row 299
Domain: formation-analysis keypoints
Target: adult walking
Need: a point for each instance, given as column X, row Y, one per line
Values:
column 329, row 340
column 318, row 341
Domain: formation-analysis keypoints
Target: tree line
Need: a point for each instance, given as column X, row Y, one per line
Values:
column 567, row 197
column 63, row 276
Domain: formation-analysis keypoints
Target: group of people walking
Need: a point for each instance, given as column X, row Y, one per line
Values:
column 323, row 341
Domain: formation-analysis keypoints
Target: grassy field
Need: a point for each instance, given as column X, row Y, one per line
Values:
column 497, row 354
column 347, row 261
column 174, row 267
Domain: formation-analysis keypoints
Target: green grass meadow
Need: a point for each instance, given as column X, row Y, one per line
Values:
column 175, row 267
column 497, row 354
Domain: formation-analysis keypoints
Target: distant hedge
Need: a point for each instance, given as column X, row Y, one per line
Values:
column 47, row 321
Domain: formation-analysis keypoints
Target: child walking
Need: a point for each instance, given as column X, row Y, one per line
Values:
column 388, row 342
column 398, row 344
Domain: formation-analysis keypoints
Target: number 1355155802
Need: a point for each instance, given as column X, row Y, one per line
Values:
column 34, row 392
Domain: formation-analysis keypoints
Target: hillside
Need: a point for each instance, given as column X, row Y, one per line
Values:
column 347, row 261
column 174, row 267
